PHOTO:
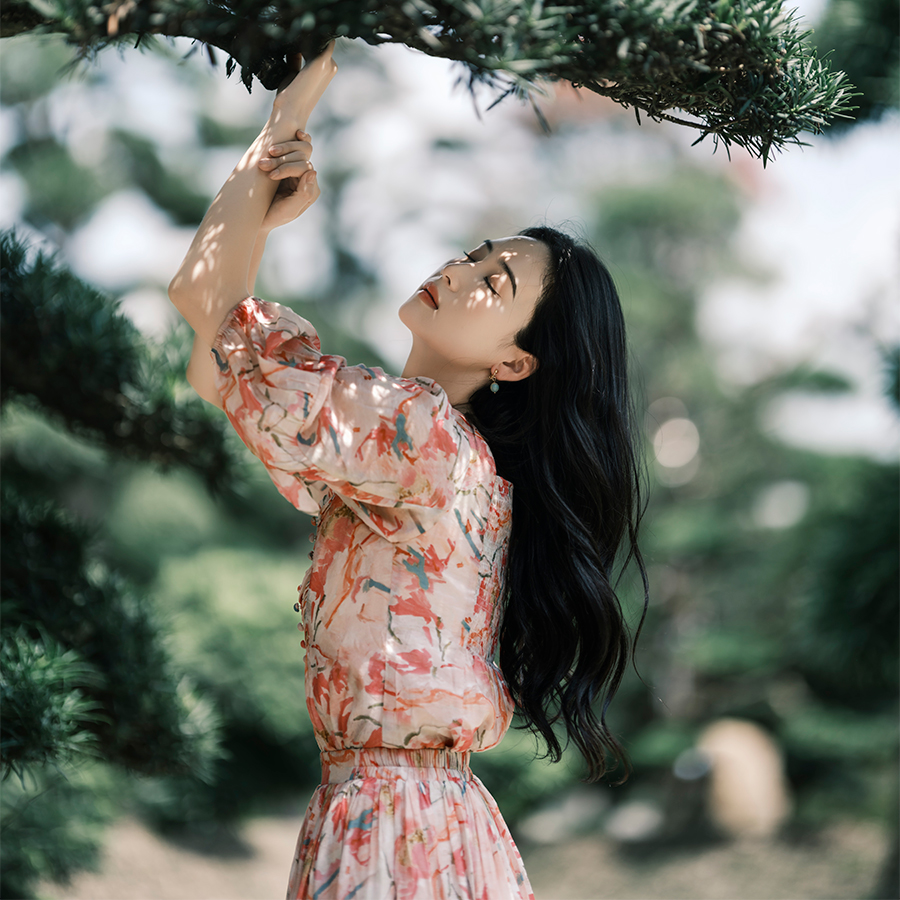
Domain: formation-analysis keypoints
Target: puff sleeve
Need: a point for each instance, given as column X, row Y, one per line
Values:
column 392, row 448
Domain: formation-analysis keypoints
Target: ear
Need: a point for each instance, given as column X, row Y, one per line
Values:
column 517, row 369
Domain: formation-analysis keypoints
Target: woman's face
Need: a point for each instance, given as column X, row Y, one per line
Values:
column 469, row 311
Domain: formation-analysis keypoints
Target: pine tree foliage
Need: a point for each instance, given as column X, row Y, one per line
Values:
column 51, row 827
column 46, row 716
column 740, row 69
column 85, row 669
column 65, row 346
column 129, row 696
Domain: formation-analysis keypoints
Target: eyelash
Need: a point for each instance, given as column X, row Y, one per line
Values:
column 487, row 280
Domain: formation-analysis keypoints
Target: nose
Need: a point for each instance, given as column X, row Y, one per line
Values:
column 452, row 271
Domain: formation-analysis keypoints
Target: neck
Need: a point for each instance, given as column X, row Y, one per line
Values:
column 458, row 381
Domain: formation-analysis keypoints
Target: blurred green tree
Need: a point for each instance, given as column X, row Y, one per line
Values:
column 862, row 38
column 790, row 621
column 83, row 668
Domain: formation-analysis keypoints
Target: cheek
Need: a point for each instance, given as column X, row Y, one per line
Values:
column 497, row 321
column 484, row 309
column 489, row 332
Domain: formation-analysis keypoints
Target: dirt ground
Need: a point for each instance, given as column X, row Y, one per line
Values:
column 841, row 863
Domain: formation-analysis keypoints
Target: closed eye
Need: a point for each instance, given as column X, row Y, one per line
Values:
column 487, row 278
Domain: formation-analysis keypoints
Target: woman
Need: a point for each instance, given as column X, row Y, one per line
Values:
column 516, row 377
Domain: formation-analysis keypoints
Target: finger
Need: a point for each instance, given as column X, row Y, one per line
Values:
column 306, row 184
column 300, row 154
column 302, row 138
column 271, row 163
column 297, row 182
column 293, row 166
column 310, row 186
column 291, row 170
column 291, row 147
column 304, row 147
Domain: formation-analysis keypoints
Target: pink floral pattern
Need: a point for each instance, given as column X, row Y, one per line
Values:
column 400, row 608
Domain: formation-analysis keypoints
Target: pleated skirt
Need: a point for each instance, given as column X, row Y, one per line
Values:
column 391, row 824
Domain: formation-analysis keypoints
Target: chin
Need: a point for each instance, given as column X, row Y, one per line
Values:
column 407, row 313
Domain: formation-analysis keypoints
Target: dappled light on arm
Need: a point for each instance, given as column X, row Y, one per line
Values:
column 220, row 257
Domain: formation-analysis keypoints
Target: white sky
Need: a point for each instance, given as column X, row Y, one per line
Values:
column 825, row 232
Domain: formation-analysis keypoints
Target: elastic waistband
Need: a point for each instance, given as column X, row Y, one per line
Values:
column 390, row 763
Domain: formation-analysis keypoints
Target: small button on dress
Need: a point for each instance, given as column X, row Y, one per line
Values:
column 400, row 611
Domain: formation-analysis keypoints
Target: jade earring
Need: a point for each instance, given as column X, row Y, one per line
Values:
column 494, row 386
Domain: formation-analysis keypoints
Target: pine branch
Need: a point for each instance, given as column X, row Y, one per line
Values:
column 46, row 717
column 104, row 642
column 51, row 829
column 741, row 71
column 66, row 346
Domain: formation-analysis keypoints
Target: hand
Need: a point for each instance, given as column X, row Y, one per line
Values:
column 288, row 163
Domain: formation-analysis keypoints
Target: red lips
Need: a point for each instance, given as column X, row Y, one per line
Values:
column 429, row 295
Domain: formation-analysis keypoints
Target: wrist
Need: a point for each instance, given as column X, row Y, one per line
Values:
column 295, row 102
column 285, row 121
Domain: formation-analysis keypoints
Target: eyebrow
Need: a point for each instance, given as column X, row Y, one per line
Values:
column 506, row 268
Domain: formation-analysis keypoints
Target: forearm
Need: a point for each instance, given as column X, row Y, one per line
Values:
column 214, row 275
column 216, row 272
column 255, row 259
column 201, row 373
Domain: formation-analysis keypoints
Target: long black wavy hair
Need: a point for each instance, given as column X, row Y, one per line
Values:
column 567, row 439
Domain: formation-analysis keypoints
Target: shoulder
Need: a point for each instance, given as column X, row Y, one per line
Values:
column 415, row 413
column 267, row 328
column 413, row 398
column 481, row 468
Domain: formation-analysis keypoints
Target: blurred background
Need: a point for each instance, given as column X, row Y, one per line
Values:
column 763, row 313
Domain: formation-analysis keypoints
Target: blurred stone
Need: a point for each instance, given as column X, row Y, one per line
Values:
column 683, row 796
column 578, row 811
column 748, row 790
column 635, row 822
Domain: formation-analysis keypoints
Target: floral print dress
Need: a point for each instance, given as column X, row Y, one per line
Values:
column 400, row 609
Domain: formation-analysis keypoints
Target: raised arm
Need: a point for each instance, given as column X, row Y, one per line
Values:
column 288, row 164
column 215, row 274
